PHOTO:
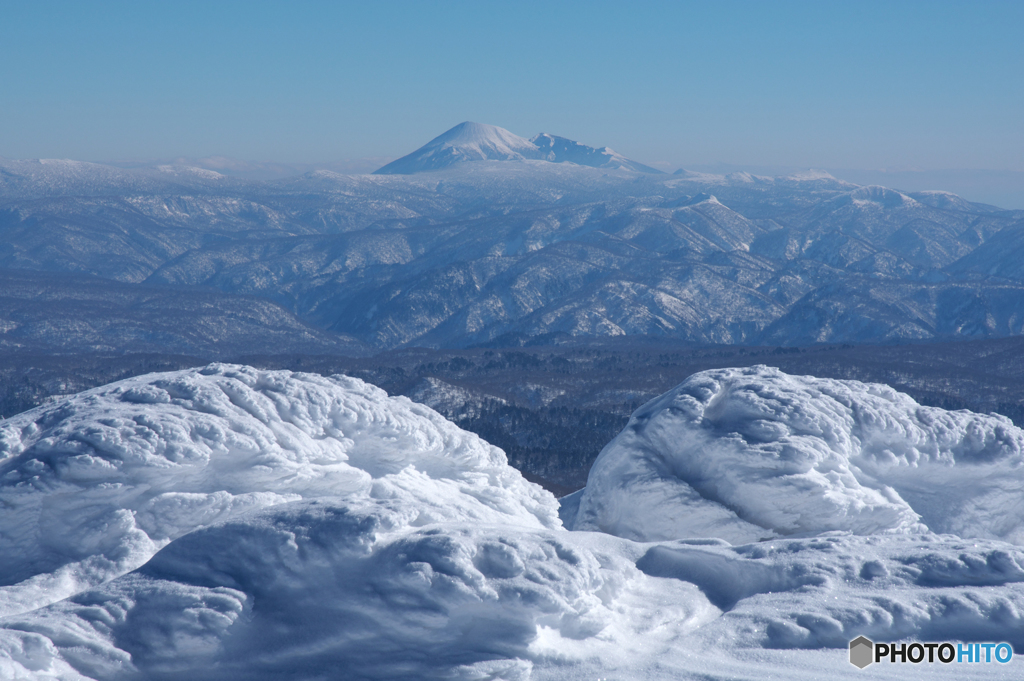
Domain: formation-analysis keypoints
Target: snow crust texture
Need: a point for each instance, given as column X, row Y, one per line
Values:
column 231, row 523
column 749, row 454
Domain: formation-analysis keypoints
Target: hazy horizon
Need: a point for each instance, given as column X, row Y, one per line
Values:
column 929, row 86
column 1001, row 188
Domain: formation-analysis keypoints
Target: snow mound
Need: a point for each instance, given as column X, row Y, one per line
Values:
column 93, row 485
column 749, row 454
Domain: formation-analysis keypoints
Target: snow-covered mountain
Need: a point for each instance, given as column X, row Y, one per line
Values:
column 505, row 252
column 228, row 523
column 479, row 142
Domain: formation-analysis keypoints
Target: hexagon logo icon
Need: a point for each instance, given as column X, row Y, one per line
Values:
column 862, row 652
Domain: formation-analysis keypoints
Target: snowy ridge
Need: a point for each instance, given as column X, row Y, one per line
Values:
column 810, row 175
column 744, row 454
column 288, row 526
column 453, row 400
column 561, row 150
column 203, row 173
column 33, row 178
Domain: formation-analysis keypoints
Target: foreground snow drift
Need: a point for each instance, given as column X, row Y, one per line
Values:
column 749, row 454
column 93, row 485
column 229, row 523
column 330, row 590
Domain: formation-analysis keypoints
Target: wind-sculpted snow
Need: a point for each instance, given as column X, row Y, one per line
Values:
column 229, row 523
column 826, row 591
column 329, row 590
column 92, row 486
column 745, row 454
column 307, row 525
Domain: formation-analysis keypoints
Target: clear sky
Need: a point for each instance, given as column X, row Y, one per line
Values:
column 897, row 85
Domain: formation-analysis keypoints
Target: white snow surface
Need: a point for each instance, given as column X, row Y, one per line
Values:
column 749, row 454
column 232, row 523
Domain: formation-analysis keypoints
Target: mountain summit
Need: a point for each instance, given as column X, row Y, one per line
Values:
column 470, row 141
column 465, row 142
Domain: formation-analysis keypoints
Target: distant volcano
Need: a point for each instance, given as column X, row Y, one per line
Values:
column 479, row 142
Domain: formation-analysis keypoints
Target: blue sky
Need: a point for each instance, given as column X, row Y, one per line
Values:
column 894, row 85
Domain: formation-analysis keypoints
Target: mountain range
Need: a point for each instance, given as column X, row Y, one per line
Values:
column 484, row 237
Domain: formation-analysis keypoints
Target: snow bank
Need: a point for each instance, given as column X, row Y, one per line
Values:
column 93, row 485
column 749, row 454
